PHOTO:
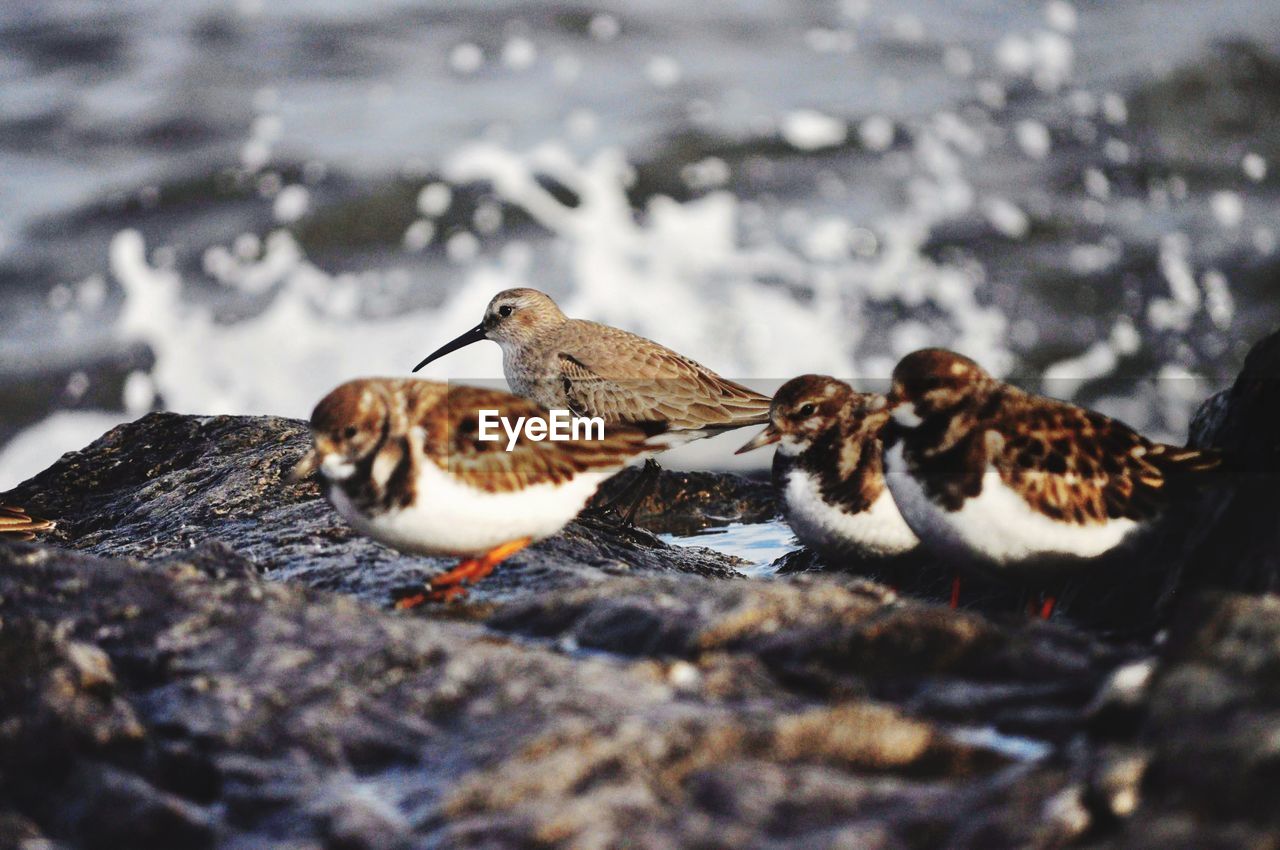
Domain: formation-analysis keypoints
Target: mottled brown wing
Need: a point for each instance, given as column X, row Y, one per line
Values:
column 849, row 457
column 1083, row 467
column 453, row 442
column 626, row 378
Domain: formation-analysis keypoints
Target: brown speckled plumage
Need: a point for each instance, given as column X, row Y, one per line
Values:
column 1071, row 464
column 402, row 460
column 393, row 424
column 829, row 469
column 843, row 447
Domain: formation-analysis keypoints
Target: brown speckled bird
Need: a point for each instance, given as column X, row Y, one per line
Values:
column 1025, row 486
column 828, row 469
column 403, row 461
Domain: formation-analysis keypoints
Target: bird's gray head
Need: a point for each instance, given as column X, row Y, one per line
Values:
column 513, row 317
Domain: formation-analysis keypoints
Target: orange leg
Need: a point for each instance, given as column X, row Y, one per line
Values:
column 449, row 585
column 955, row 593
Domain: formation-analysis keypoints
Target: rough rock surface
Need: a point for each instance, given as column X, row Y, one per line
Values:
column 1189, row 748
column 148, row 704
column 687, row 502
column 201, row 656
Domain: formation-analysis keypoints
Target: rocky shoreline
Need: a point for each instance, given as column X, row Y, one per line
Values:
column 201, row 656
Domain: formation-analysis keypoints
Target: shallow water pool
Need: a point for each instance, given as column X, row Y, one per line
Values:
column 760, row 543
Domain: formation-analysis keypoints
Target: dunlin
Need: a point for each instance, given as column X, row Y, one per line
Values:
column 16, row 523
column 598, row 370
column 828, row 469
column 1024, row 486
column 403, row 461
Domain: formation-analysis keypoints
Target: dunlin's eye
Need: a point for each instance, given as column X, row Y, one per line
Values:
column 808, row 409
column 349, row 432
column 505, row 310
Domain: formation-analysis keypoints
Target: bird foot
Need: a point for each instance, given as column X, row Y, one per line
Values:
column 450, row 585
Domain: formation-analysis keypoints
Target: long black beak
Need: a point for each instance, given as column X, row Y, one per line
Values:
column 474, row 335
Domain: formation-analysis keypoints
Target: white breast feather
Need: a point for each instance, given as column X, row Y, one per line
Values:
column 997, row 526
column 450, row 518
column 878, row 531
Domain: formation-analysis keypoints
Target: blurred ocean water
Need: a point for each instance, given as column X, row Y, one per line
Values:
column 230, row 207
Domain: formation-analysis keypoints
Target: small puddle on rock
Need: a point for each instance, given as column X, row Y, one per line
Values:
column 760, row 543
column 1014, row 746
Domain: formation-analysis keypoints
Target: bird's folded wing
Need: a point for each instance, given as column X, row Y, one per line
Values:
column 626, row 378
column 1087, row 468
column 454, row 444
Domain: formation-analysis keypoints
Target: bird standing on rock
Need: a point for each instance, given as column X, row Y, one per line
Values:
column 598, row 370
column 408, row 463
column 828, row 469
column 1022, row 486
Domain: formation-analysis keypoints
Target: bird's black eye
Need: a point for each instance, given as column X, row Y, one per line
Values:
column 349, row 432
column 505, row 310
column 808, row 409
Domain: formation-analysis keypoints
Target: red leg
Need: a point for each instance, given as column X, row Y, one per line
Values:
column 955, row 593
column 1046, row 607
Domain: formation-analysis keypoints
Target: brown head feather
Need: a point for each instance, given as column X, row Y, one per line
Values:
column 834, row 433
column 935, row 379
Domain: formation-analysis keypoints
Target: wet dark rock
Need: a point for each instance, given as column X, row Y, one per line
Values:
column 915, row 574
column 1242, row 552
column 687, row 502
column 823, row 639
column 156, row 706
column 1202, row 768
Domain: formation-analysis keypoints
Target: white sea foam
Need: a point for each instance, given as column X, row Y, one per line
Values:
column 751, row 298
column 808, row 129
